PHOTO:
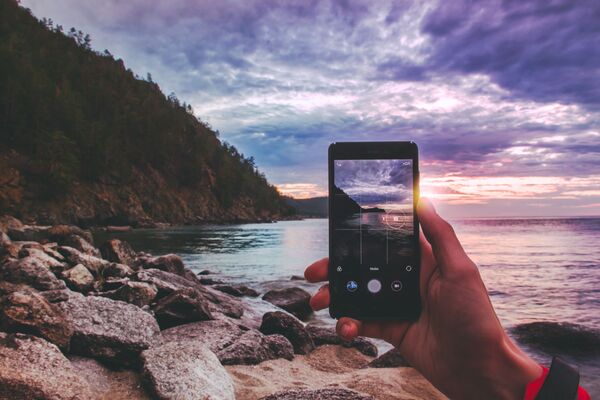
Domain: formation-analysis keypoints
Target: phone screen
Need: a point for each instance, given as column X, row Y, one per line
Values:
column 374, row 241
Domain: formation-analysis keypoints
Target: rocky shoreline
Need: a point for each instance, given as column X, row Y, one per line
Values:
column 84, row 322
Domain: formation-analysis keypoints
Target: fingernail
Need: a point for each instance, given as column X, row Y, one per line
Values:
column 346, row 330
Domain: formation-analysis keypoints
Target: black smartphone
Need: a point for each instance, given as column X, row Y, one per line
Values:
column 374, row 253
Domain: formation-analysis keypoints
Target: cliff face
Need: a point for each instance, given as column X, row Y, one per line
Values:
column 84, row 140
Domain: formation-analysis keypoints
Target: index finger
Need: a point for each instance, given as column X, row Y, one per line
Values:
column 317, row 271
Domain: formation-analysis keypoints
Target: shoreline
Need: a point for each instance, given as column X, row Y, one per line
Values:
column 108, row 322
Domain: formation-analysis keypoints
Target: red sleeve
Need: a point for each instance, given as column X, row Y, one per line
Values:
column 533, row 388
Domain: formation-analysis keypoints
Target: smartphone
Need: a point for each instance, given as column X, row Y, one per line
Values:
column 374, row 253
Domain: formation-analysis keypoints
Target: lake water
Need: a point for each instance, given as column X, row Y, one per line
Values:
column 535, row 269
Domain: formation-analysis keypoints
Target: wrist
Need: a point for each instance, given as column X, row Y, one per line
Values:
column 511, row 371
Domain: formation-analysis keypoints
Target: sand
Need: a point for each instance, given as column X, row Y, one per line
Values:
column 333, row 367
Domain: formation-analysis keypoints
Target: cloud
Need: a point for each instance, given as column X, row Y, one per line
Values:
column 547, row 51
column 487, row 89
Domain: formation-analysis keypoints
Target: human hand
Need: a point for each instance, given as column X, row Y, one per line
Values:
column 458, row 343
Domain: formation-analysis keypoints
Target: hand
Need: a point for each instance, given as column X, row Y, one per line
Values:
column 457, row 343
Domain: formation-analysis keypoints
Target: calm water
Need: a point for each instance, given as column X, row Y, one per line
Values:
column 535, row 269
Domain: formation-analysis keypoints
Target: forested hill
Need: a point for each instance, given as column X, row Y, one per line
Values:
column 85, row 140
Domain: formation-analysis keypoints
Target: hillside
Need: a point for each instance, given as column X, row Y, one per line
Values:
column 84, row 140
column 315, row 207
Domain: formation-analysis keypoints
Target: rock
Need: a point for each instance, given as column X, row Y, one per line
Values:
column 73, row 256
column 30, row 312
column 56, row 296
column 323, row 336
column 183, row 371
column 167, row 282
column 50, row 249
column 8, row 288
column 252, row 347
column 114, row 283
column 116, row 270
column 318, row 394
column 7, row 248
column 109, row 330
column 169, row 263
column 60, row 233
column 30, row 271
column 4, row 239
column 278, row 322
column 57, row 233
column 32, row 368
column 8, row 222
column 296, row 278
column 389, row 359
column 559, row 337
column 222, row 303
column 293, row 300
column 237, row 290
column 215, row 334
column 107, row 384
column 205, row 272
column 51, row 262
column 210, row 281
column 119, row 228
column 78, row 278
column 118, row 251
column 137, row 293
column 181, row 307
column 79, row 243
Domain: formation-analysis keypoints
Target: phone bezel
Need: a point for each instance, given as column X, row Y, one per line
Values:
column 374, row 151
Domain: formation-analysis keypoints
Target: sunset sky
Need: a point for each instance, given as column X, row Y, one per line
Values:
column 502, row 97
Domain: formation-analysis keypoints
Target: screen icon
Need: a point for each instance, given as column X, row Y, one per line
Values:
column 374, row 286
column 396, row 286
column 339, row 268
column 408, row 268
column 351, row 286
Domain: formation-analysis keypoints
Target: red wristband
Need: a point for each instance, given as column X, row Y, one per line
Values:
column 533, row 388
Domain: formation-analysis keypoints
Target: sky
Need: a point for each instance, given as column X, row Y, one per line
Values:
column 385, row 184
column 502, row 97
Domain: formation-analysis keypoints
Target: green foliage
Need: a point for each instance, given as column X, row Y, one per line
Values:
column 82, row 116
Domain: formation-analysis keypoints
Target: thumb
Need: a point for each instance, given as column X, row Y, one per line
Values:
column 446, row 247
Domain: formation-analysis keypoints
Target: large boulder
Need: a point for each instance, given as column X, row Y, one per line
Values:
column 30, row 312
column 318, row 394
column 110, row 330
column 118, row 251
column 167, row 282
column 32, row 368
column 181, row 307
column 186, row 371
column 282, row 323
column 559, row 337
column 322, row 335
column 73, row 256
column 30, row 271
column 110, row 384
column 78, row 278
column 293, row 300
column 389, row 359
column 215, row 334
column 236, row 290
column 137, row 293
column 252, row 347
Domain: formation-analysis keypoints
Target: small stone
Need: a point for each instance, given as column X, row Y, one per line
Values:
column 116, row 270
column 278, row 322
column 237, row 290
column 293, row 300
column 389, row 359
column 181, row 307
column 323, row 336
column 137, row 293
column 78, row 278
column 73, row 256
